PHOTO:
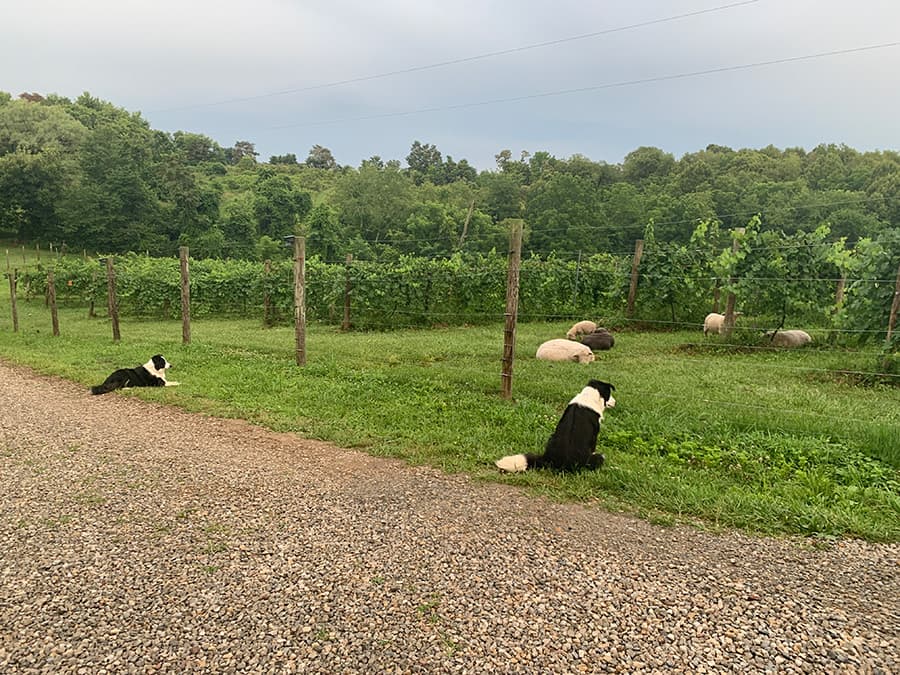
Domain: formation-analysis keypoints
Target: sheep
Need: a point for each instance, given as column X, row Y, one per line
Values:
column 715, row 323
column 788, row 338
column 599, row 339
column 580, row 328
column 565, row 350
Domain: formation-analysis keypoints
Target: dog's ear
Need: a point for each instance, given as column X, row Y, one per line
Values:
column 605, row 389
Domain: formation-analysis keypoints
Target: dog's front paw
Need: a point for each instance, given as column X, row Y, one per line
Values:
column 172, row 384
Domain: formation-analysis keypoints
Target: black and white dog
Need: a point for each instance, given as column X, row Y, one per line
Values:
column 573, row 444
column 151, row 374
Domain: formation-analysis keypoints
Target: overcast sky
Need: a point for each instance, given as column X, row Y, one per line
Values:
column 289, row 74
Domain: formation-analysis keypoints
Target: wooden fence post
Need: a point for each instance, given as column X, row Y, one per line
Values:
column 728, row 323
column 112, row 304
column 185, row 296
column 895, row 307
column 839, row 293
column 51, row 297
column 267, row 300
column 300, row 298
column 347, row 287
column 12, row 299
column 91, row 312
column 632, row 290
column 512, row 308
column 577, row 274
column 838, row 305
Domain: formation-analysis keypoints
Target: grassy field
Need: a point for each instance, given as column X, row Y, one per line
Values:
column 772, row 442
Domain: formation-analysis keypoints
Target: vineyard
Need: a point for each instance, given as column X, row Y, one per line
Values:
column 779, row 281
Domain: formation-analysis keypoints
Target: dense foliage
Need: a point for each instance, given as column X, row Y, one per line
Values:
column 90, row 175
column 408, row 291
column 780, row 281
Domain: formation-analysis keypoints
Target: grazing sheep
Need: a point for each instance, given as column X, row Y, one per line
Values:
column 600, row 339
column 789, row 338
column 565, row 350
column 580, row 328
column 715, row 323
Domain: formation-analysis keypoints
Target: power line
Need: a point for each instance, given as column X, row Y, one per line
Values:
column 599, row 87
column 465, row 59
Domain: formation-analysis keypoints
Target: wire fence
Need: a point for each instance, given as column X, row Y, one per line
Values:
column 385, row 295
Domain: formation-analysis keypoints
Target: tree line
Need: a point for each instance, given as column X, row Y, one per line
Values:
column 88, row 174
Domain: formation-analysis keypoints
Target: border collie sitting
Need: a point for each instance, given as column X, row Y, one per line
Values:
column 573, row 444
column 151, row 374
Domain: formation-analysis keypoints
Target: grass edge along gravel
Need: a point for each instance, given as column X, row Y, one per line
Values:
column 432, row 397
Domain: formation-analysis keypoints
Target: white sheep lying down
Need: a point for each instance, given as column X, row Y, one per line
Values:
column 565, row 350
column 582, row 327
column 789, row 338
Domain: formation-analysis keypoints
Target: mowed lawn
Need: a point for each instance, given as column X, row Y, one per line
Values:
column 770, row 441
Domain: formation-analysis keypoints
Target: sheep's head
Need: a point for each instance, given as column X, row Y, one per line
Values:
column 584, row 358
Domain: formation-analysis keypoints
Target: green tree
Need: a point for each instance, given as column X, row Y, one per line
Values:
column 502, row 196
column 242, row 150
column 646, row 164
column 39, row 147
column 321, row 158
column 370, row 201
column 564, row 213
column 327, row 237
column 278, row 205
column 116, row 207
column 197, row 148
column 238, row 226
column 289, row 159
column 425, row 163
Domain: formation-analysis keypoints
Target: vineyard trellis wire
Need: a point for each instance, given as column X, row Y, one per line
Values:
column 801, row 280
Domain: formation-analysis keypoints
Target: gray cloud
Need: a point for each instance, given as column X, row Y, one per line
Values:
column 171, row 59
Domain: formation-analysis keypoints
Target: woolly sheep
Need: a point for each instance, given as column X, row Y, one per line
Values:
column 788, row 338
column 565, row 350
column 715, row 323
column 580, row 328
column 599, row 339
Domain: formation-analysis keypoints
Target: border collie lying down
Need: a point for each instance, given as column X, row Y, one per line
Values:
column 573, row 444
column 151, row 374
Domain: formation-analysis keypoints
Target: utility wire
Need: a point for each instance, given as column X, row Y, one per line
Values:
column 599, row 87
column 466, row 59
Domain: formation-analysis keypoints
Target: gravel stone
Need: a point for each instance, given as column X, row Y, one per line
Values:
column 137, row 538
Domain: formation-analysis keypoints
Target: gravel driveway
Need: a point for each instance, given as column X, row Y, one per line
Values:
column 134, row 537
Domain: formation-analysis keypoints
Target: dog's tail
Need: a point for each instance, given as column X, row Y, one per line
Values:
column 106, row 387
column 518, row 463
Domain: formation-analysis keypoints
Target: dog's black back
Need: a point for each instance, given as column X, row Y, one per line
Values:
column 573, row 443
column 139, row 376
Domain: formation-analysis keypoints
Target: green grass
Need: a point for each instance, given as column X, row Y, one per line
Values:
column 772, row 442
